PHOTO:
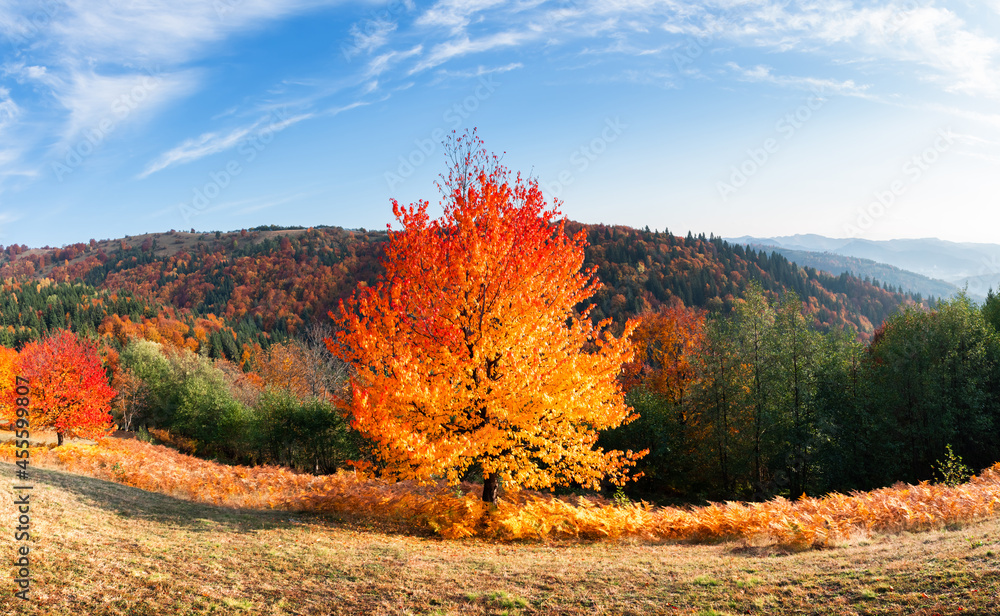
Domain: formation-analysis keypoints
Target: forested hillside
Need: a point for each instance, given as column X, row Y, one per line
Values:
column 269, row 283
column 643, row 269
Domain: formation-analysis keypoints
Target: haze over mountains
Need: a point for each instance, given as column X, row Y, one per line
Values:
column 942, row 267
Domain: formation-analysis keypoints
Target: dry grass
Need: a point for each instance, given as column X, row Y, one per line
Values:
column 102, row 548
column 456, row 513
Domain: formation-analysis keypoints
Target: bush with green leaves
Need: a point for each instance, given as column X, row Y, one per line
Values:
column 308, row 435
column 146, row 361
column 951, row 470
column 211, row 403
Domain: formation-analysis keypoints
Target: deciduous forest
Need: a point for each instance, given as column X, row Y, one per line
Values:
column 747, row 377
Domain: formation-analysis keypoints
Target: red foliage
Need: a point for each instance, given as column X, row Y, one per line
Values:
column 69, row 388
column 665, row 344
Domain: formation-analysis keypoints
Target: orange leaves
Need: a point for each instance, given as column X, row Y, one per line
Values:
column 290, row 366
column 666, row 341
column 522, row 515
column 8, row 372
column 468, row 350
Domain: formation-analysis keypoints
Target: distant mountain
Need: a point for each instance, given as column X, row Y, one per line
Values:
column 808, row 242
column 976, row 266
column 641, row 269
column 894, row 278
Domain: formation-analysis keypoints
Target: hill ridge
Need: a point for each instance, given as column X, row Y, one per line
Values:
column 281, row 280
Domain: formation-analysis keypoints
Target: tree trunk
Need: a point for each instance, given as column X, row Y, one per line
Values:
column 491, row 489
column 59, row 438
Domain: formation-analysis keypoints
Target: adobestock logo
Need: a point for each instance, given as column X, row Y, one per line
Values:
column 92, row 138
column 22, row 32
column 787, row 126
column 585, row 155
column 373, row 29
column 912, row 171
column 249, row 148
column 454, row 117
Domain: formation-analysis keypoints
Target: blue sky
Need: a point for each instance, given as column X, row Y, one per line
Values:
column 876, row 119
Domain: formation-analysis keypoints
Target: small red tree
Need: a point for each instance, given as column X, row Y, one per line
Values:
column 69, row 389
column 470, row 352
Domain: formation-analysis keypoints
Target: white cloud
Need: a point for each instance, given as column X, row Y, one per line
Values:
column 986, row 119
column 936, row 41
column 161, row 31
column 932, row 41
column 369, row 36
column 93, row 63
column 12, row 145
column 446, row 51
column 481, row 70
column 961, row 59
column 455, row 14
column 762, row 73
column 384, row 62
column 214, row 142
column 9, row 110
column 94, row 100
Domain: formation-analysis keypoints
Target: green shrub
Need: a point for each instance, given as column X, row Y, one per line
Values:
column 951, row 470
column 308, row 435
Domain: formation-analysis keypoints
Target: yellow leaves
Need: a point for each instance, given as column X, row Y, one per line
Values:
column 464, row 340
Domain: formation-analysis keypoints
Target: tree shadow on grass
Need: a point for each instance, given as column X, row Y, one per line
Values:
column 136, row 503
column 770, row 550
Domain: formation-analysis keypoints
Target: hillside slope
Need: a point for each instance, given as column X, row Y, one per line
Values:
column 888, row 275
column 280, row 280
column 104, row 549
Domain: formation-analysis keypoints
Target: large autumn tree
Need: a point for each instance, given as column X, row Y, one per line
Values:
column 469, row 352
column 69, row 388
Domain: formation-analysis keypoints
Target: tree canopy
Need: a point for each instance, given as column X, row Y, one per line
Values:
column 468, row 352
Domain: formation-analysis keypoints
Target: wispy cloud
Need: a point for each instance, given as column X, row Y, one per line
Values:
column 932, row 41
column 987, row 119
column 765, row 74
column 161, row 31
column 12, row 144
column 480, row 70
column 215, row 142
column 456, row 14
column 100, row 65
column 92, row 100
column 370, row 36
column 936, row 41
column 9, row 110
column 448, row 50
column 383, row 62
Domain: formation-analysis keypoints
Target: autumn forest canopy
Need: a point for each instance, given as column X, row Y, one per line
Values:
column 503, row 344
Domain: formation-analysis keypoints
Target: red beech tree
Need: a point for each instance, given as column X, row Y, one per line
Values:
column 468, row 352
column 69, row 389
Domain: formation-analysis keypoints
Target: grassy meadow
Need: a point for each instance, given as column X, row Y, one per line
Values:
column 104, row 548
